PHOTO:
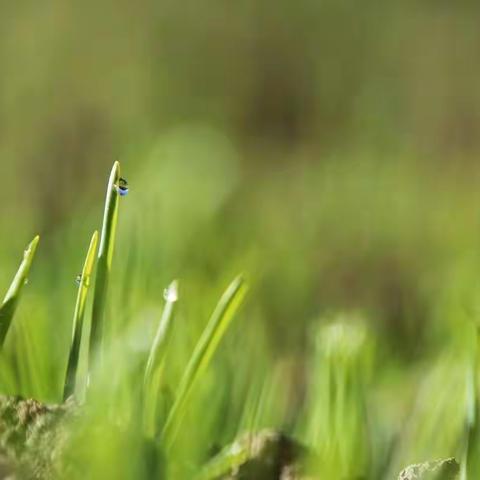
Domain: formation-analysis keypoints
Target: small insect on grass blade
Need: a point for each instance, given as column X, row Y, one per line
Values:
column 78, row 316
column 203, row 352
column 105, row 255
column 153, row 370
column 10, row 302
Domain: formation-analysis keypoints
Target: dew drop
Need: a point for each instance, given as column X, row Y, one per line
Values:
column 170, row 294
column 122, row 187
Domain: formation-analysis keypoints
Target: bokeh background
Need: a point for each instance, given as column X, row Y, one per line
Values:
column 328, row 149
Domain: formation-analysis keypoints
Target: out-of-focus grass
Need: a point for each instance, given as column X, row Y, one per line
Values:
column 338, row 419
column 152, row 383
column 202, row 355
column 395, row 242
column 330, row 155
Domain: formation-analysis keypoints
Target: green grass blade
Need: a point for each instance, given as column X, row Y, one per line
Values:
column 105, row 255
column 469, row 465
column 203, row 352
column 10, row 302
column 78, row 317
column 153, row 370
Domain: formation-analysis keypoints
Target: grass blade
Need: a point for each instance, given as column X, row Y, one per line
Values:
column 203, row 352
column 338, row 429
column 10, row 302
column 78, row 317
column 469, row 465
column 105, row 255
column 153, row 370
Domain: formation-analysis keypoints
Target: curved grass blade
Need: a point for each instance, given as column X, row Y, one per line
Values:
column 105, row 255
column 10, row 302
column 78, row 316
column 155, row 363
column 203, row 352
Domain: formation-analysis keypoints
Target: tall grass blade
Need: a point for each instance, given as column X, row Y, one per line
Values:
column 470, row 465
column 203, row 352
column 153, row 370
column 105, row 255
column 338, row 428
column 10, row 302
column 78, row 316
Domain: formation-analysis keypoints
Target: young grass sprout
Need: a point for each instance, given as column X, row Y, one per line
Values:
column 78, row 316
column 160, row 430
column 202, row 354
column 10, row 302
column 104, row 264
column 470, row 461
column 156, row 358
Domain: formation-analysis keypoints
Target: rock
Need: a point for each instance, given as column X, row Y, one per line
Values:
column 35, row 441
column 31, row 436
column 447, row 469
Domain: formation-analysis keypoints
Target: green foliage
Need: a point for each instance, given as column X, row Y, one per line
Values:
column 167, row 394
column 330, row 149
column 202, row 354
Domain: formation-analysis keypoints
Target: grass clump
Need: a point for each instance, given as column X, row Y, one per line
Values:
column 158, row 407
column 202, row 354
column 154, row 430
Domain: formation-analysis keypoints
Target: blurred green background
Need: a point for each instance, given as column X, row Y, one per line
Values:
column 329, row 149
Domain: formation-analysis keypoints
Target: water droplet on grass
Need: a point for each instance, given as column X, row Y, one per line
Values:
column 122, row 187
column 170, row 294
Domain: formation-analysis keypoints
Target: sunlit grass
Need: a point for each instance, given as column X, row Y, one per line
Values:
column 78, row 316
column 10, row 302
column 104, row 263
column 166, row 393
column 156, row 360
column 202, row 354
